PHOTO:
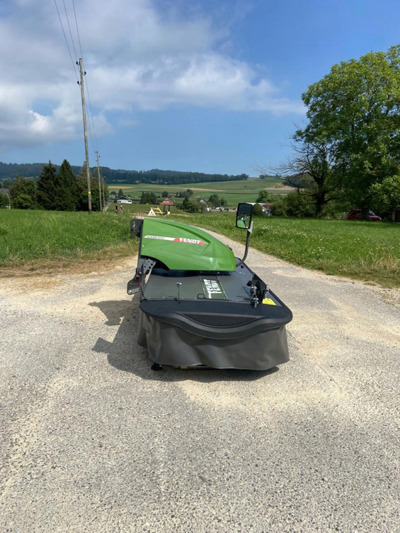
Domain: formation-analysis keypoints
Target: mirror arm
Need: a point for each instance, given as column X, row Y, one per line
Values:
column 250, row 229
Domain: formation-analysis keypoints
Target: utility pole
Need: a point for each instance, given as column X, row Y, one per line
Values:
column 99, row 180
column 85, row 135
column 104, row 198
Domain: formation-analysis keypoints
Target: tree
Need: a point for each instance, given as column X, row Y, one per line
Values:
column 354, row 115
column 190, row 205
column 164, row 194
column 148, row 198
column 387, row 195
column 214, row 200
column 293, row 205
column 258, row 210
column 4, row 201
column 263, row 196
column 23, row 193
column 310, row 172
column 48, row 188
column 69, row 191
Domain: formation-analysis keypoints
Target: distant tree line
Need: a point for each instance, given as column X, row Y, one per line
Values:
column 9, row 171
column 165, row 177
column 55, row 189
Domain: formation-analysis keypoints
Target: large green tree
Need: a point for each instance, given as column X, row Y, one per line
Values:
column 354, row 113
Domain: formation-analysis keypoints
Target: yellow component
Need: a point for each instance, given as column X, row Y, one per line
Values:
column 268, row 301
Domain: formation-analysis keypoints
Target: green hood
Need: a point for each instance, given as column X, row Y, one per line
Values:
column 183, row 247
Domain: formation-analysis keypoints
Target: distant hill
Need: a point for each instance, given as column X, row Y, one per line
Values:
column 112, row 176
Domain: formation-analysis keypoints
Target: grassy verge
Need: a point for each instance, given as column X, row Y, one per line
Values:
column 28, row 236
column 361, row 250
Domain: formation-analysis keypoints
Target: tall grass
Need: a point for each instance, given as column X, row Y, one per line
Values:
column 32, row 235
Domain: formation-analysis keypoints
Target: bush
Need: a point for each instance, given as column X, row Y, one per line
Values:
column 258, row 210
column 294, row 205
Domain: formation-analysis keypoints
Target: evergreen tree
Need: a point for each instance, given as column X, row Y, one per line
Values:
column 48, row 188
column 148, row 198
column 69, row 191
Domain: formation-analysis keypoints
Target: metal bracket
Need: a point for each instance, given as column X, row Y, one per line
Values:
column 144, row 267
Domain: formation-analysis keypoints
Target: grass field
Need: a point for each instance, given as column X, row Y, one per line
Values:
column 233, row 191
column 27, row 236
column 361, row 250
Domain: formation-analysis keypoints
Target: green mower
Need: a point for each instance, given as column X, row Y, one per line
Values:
column 199, row 305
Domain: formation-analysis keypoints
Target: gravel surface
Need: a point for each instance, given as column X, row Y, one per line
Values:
column 93, row 440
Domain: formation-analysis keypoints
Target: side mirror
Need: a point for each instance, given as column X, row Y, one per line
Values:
column 243, row 216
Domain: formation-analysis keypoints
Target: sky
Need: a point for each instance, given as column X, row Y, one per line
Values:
column 209, row 86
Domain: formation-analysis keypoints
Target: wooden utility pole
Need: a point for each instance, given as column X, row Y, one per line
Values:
column 104, row 196
column 85, row 135
column 99, row 180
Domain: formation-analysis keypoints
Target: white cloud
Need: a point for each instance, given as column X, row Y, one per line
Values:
column 137, row 57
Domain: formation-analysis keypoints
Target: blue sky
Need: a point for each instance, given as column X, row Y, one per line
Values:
column 208, row 85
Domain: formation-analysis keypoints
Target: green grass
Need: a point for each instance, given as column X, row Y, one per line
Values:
column 361, row 250
column 50, row 235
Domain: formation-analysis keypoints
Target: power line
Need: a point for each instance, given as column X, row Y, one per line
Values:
column 66, row 40
column 92, row 129
column 91, row 126
column 77, row 29
column 69, row 27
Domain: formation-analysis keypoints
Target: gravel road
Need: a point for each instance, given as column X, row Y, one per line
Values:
column 92, row 440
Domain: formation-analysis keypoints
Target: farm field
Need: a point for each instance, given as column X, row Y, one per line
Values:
column 361, row 250
column 233, row 191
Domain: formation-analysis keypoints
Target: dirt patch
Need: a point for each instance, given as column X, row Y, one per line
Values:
column 44, row 274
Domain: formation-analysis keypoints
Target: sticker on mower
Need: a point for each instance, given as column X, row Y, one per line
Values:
column 213, row 289
column 174, row 239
